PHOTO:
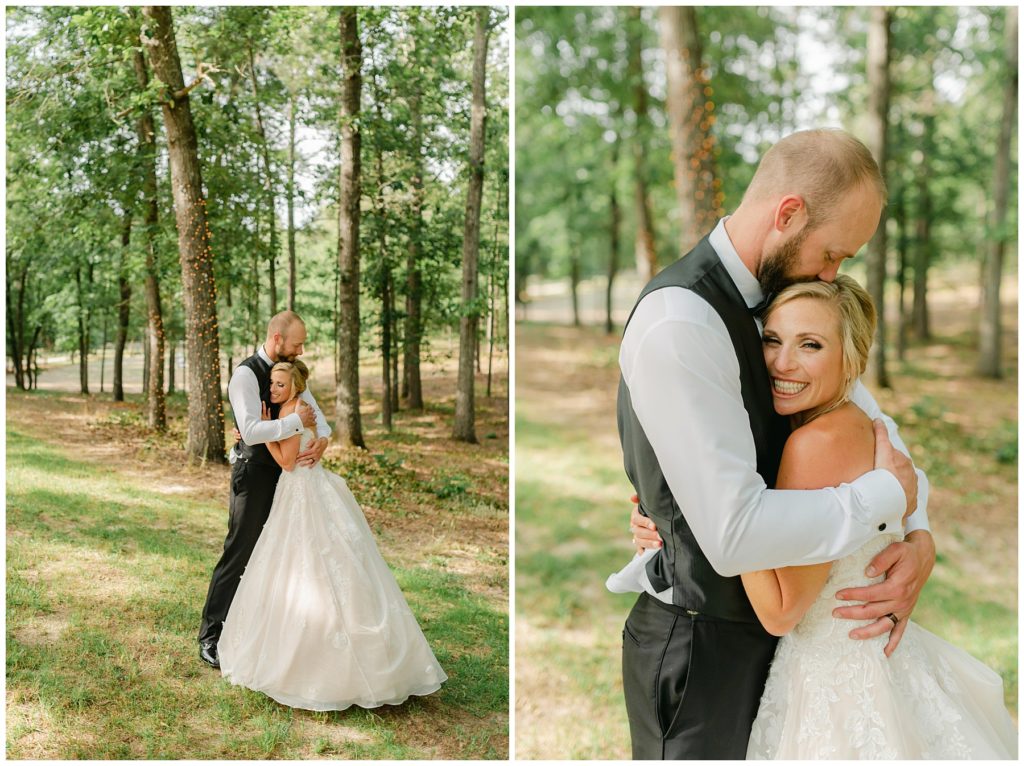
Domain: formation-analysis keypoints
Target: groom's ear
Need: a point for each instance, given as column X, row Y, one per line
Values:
column 790, row 213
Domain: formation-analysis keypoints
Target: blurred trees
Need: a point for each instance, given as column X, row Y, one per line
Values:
column 90, row 205
column 767, row 72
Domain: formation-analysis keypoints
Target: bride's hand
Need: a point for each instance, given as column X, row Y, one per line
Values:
column 264, row 411
column 645, row 532
column 907, row 566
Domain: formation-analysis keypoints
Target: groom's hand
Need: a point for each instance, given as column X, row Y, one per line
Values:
column 307, row 416
column 907, row 566
column 894, row 461
column 312, row 454
column 645, row 532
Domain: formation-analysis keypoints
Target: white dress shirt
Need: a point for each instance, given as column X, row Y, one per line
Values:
column 244, row 395
column 680, row 367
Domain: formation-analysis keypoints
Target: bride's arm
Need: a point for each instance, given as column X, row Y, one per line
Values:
column 285, row 451
column 815, row 456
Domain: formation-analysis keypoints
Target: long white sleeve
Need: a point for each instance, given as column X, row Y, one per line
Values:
column 684, row 382
column 863, row 399
column 244, row 395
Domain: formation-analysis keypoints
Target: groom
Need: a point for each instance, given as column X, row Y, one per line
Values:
column 702, row 445
column 254, row 472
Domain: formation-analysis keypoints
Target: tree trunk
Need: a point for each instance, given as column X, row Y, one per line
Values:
column 83, row 343
column 878, row 121
column 923, row 228
column 615, row 224
column 348, row 422
column 153, row 388
column 574, row 283
column 172, row 364
column 32, row 360
column 123, row 309
column 989, row 327
column 14, row 334
column 903, row 247
column 465, row 415
column 413, row 385
column 291, row 203
column 268, row 183
column 691, row 116
column 103, row 352
column 646, row 253
column 199, row 291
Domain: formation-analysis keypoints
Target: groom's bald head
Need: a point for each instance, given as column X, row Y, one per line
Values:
column 286, row 334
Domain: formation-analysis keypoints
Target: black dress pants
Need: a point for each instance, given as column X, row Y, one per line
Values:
column 252, row 494
column 692, row 683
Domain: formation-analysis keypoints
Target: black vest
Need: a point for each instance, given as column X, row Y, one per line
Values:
column 258, row 453
column 680, row 563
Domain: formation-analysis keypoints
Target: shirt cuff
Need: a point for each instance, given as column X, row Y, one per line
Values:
column 291, row 425
column 881, row 496
column 919, row 518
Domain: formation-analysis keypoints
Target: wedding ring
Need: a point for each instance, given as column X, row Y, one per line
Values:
column 894, row 618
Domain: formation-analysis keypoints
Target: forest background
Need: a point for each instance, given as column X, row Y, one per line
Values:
column 636, row 129
column 348, row 163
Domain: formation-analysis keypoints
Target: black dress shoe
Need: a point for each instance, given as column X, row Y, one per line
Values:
column 208, row 653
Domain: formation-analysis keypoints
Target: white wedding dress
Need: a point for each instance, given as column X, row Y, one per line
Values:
column 832, row 697
column 318, row 621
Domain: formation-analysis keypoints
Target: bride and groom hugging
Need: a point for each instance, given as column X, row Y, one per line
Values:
column 747, row 436
column 301, row 605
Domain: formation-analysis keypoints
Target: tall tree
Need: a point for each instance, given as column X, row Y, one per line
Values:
column 124, row 289
column 990, row 322
column 412, row 381
column 691, row 116
column 646, row 251
column 199, row 292
column 348, row 421
column 156, row 412
column 878, row 122
column 465, row 412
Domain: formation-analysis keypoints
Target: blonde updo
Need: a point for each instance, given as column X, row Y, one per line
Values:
column 297, row 371
column 857, row 321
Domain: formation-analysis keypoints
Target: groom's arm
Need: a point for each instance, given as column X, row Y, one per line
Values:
column 684, row 382
column 323, row 430
column 860, row 396
column 244, row 395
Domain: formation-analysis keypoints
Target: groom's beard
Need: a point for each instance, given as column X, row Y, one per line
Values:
column 775, row 271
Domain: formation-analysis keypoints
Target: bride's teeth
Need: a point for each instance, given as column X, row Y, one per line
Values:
column 788, row 387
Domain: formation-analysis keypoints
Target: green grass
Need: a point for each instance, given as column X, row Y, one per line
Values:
column 105, row 583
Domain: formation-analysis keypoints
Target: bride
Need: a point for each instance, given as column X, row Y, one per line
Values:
column 318, row 621
column 828, row 696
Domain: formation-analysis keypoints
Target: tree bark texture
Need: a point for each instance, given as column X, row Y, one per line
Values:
column 414, row 278
column 878, row 121
column 690, row 112
column 199, row 292
column 83, row 333
column 123, row 308
column 990, row 329
column 646, row 254
column 465, row 415
column 615, row 228
column 348, row 422
column 268, row 183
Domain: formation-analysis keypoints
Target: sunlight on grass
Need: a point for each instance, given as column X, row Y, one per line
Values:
column 105, row 582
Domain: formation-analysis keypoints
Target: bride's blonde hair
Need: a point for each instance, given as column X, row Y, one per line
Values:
column 297, row 371
column 857, row 321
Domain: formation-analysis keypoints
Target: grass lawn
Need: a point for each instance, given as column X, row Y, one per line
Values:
column 111, row 540
column 572, row 516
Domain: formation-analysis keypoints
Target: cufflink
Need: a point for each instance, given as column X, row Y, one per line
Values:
column 881, row 527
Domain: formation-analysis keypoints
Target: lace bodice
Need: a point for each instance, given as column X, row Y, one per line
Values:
column 829, row 696
column 818, row 624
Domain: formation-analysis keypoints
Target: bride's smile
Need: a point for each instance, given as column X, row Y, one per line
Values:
column 803, row 350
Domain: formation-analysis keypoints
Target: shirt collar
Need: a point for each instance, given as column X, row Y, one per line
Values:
column 745, row 282
column 262, row 354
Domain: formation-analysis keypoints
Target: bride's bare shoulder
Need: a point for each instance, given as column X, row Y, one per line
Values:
column 288, row 407
column 833, row 448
